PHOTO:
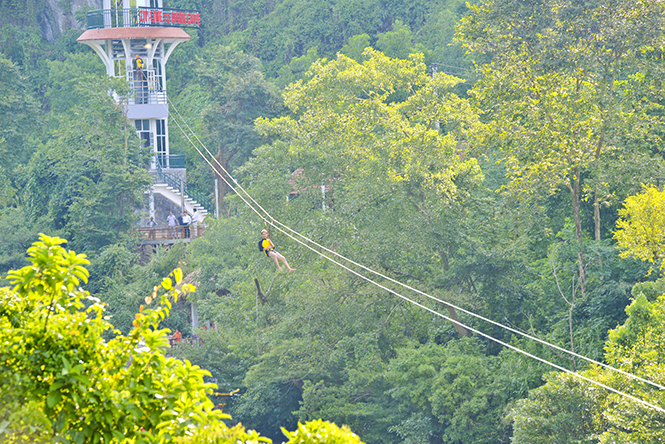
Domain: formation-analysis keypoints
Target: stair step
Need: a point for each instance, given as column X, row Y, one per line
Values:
column 188, row 200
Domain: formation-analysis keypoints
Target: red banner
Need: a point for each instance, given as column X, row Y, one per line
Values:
column 157, row 16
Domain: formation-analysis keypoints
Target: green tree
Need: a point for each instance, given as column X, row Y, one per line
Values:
column 568, row 409
column 374, row 164
column 297, row 68
column 355, row 47
column 567, row 88
column 19, row 120
column 563, row 410
column 641, row 227
column 383, row 137
column 238, row 94
column 20, row 125
column 321, row 432
column 62, row 380
column 452, row 389
column 397, row 43
column 89, row 177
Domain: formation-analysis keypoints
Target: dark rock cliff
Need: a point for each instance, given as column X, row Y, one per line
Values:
column 59, row 16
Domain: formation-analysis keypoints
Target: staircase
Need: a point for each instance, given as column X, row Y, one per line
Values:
column 173, row 195
column 172, row 188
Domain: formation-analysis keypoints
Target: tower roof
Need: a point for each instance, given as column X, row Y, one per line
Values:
column 134, row 33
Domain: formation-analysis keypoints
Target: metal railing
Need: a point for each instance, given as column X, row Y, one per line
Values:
column 166, row 233
column 146, row 87
column 142, row 17
column 171, row 161
column 177, row 183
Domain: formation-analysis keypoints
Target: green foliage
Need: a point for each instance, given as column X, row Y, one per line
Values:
column 229, row 93
column 278, row 32
column 560, row 411
column 297, row 68
column 567, row 92
column 18, row 236
column 238, row 94
column 55, row 361
column 640, row 229
column 355, row 47
column 454, row 389
column 19, row 119
column 408, row 174
column 61, row 379
column 346, row 105
column 321, row 432
column 89, row 178
column 567, row 409
column 398, row 43
column 118, row 279
column 62, row 93
column 21, row 12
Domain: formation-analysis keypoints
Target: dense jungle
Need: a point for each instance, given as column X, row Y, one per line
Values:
column 502, row 159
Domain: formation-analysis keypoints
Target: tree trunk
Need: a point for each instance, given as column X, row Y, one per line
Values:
column 222, row 188
column 596, row 217
column 575, row 194
column 463, row 332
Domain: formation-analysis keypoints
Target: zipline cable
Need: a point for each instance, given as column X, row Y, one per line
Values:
column 434, row 312
column 275, row 222
column 406, row 286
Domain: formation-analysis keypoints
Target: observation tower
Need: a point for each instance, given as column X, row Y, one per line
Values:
column 134, row 39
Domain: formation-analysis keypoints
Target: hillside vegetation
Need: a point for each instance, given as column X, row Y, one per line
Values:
column 504, row 159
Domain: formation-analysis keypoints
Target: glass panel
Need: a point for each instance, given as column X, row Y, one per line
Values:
column 145, row 137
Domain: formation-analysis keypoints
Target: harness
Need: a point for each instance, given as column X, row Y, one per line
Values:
column 264, row 245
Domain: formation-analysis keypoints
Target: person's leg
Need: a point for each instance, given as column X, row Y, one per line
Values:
column 283, row 259
column 275, row 256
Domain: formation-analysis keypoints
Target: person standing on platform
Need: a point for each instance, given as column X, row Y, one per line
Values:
column 151, row 224
column 186, row 220
column 171, row 220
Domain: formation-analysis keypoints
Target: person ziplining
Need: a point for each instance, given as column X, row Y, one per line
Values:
column 266, row 245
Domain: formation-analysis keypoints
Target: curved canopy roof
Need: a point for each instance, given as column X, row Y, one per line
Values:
column 165, row 34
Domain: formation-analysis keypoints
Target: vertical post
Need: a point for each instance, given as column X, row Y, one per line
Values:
column 152, row 203
column 216, row 199
column 195, row 319
column 323, row 195
column 182, row 196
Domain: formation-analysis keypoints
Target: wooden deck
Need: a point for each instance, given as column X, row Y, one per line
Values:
column 170, row 235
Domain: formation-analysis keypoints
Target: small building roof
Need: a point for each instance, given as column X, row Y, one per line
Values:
column 134, row 33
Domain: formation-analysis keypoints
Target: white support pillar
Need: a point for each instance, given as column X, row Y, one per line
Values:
column 152, row 204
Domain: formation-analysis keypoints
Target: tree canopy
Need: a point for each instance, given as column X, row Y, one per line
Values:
column 499, row 181
column 62, row 380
